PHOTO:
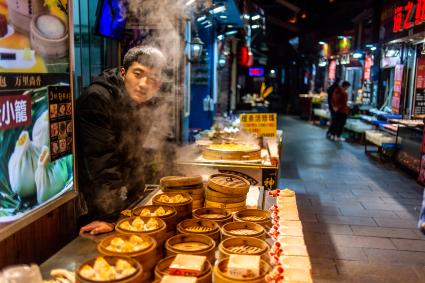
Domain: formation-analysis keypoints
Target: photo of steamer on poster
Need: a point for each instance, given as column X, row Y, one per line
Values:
column 34, row 58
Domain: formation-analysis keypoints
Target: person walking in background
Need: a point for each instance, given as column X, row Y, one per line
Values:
column 330, row 91
column 340, row 107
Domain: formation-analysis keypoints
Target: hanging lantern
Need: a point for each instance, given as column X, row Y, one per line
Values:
column 196, row 47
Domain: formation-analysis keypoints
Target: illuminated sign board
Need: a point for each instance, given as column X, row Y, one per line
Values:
column 409, row 15
column 256, row 72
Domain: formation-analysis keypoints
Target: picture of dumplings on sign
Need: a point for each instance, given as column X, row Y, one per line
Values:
column 28, row 176
column 33, row 33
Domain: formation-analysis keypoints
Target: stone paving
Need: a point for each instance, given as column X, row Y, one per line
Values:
column 359, row 215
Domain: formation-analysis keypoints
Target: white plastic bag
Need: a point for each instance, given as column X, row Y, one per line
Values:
column 50, row 178
column 40, row 131
column 22, row 166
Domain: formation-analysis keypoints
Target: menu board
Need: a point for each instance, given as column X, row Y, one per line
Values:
column 261, row 124
column 34, row 59
column 60, row 117
column 419, row 101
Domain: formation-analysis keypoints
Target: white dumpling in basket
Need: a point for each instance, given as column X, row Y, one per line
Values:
column 40, row 131
column 50, row 178
column 22, row 165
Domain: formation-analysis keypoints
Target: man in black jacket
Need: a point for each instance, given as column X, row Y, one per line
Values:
column 121, row 127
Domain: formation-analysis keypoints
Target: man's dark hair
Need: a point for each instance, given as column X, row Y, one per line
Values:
column 345, row 84
column 337, row 80
column 148, row 56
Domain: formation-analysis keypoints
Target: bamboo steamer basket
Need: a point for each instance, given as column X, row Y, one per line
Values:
column 158, row 234
column 220, row 275
column 193, row 185
column 228, row 184
column 244, row 246
column 134, row 278
column 258, row 216
column 212, row 227
column 221, row 154
column 198, row 204
column 161, row 269
column 223, row 198
column 169, row 219
column 218, row 215
column 236, row 209
column 209, row 203
column 191, row 244
column 211, row 193
column 237, row 229
column 22, row 11
column 49, row 48
column 146, row 257
column 180, row 181
column 184, row 209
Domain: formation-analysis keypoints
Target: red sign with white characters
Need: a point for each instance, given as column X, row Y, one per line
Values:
column 409, row 15
column 15, row 111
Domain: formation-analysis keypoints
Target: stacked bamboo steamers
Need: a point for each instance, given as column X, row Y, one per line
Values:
column 226, row 191
column 154, row 237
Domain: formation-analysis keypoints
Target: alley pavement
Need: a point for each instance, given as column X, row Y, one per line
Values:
column 359, row 216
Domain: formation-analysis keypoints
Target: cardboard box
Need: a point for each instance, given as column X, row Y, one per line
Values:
column 187, row 265
column 243, row 266
column 178, row 279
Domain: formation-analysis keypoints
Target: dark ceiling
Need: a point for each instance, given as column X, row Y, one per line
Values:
column 313, row 19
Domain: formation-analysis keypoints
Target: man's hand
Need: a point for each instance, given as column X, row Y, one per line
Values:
column 97, row 227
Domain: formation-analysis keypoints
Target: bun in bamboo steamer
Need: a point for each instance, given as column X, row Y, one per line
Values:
column 184, row 209
column 200, row 227
column 161, row 269
column 246, row 229
column 147, row 257
column 135, row 277
column 191, row 244
column 193, row 185
column 258, row 216
column 170, row 218
column 218, row 215
column 220, row 273
column 159, row 234
column 244, row 246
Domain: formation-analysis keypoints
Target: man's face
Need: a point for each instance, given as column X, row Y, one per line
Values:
column 141, row 82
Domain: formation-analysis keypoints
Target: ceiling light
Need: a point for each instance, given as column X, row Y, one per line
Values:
column 231, row 32
column 256, row 17
column 255, row 26
column 357, row 55
column 246, row 16
column 201, row 19
column 223, row 17
column 219, row 9
column 322, row 43
column 373, row 48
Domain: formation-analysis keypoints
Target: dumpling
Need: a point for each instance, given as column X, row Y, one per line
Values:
column 122, row 265
column 152, row 224
column 136, row 240
column 138, row 223
column 50, row 178
column 100, row 264
column 164, row 198
column 22, row 166
column 125, row 225
column 145, row 212
column 160, row 211
column 40, row 131
column 87, row 271
column 117, row 242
